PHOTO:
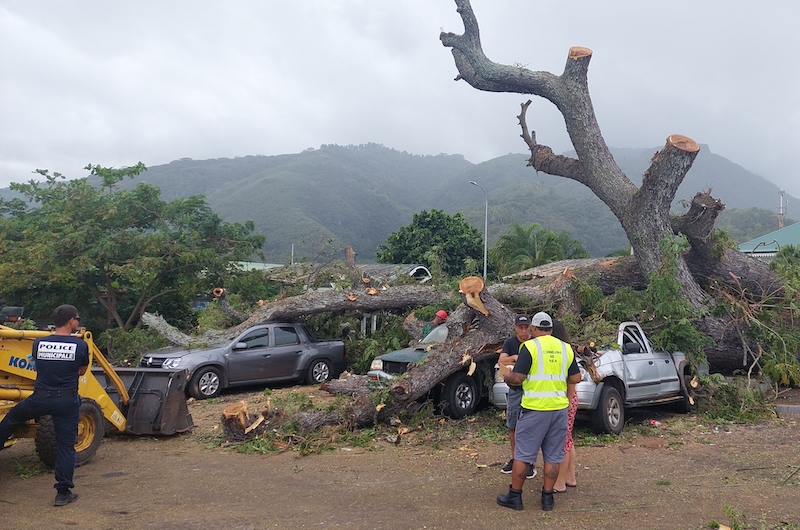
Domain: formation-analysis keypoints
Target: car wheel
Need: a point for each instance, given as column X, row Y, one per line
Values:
column 206, row 383
column 318, row 372
column 460, row 396
column 90, row 435
column 610, row 413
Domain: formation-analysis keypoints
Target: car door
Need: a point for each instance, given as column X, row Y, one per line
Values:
column 286, row 352
column 248, row 357
column 641, row 372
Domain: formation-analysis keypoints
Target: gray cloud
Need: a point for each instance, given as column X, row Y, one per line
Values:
column 117, row 83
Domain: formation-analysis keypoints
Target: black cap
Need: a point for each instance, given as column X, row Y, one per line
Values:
column 522, row 320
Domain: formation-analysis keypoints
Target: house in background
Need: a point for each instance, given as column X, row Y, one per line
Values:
column 765, row 247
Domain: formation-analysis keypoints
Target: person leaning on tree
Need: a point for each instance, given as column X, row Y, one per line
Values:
column 438, row 319
column 544, row 367
column 60, row 359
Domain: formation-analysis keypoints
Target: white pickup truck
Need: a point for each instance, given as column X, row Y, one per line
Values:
column 632, row 376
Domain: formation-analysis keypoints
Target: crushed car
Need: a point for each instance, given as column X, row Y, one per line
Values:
column 458, row 396
column 633, row 375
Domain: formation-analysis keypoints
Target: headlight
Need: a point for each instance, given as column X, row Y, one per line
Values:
column 171, row 363
column 377, row 364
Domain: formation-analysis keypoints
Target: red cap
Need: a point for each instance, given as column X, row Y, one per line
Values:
column 442, row 314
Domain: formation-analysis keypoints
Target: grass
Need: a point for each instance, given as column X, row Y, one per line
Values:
column 28, row 470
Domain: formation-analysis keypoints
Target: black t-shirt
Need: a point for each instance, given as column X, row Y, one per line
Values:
column 511, row 347
column 59, row 359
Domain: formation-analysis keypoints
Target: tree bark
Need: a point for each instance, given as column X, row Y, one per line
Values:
column 643, row 212
column 311, row 303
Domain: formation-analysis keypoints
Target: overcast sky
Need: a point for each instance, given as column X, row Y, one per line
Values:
column 115, row 83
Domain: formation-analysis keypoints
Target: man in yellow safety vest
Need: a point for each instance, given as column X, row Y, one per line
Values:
column 544, row 366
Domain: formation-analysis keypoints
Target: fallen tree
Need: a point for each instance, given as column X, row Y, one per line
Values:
column 643, row 211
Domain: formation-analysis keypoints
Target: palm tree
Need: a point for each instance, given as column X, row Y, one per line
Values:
column 522, row 247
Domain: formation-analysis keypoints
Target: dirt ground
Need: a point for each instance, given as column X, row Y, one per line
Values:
column 683, row 474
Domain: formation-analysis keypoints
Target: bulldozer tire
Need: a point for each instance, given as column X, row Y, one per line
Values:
column 90, row 435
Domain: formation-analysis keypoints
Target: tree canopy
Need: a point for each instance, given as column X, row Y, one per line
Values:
column 125, row 248
column 442, row 242
column 523, row 247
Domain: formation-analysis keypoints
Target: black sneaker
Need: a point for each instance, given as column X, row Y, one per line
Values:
column 531, row 472
column 507, row 468
column 66, row 498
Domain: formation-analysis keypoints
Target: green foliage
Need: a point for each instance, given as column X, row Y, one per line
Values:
column 624, row 304
column 124, row 247
column 772, row 339
column 126, row 348
column 671, row 310
column 26, row 471
column 522, row 247
column 361, row 350
column 590, row 296
column 250, row 287
column 441, row 242
column 723, row 400
column 212, row 317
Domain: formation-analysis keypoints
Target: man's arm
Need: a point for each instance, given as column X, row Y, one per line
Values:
column 521, row 368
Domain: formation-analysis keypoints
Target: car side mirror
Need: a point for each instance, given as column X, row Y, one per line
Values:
column 240, row 346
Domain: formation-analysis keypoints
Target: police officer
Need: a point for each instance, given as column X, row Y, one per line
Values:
column 544, row 367
column 60, row 359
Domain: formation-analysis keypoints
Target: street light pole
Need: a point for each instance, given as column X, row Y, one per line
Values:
column 485, row 226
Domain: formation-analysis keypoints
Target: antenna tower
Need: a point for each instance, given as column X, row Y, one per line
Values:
column 782, row 209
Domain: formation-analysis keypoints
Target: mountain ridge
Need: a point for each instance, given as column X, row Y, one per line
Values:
column 358, row 195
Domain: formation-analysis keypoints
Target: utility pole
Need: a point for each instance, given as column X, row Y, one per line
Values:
column 485, row 227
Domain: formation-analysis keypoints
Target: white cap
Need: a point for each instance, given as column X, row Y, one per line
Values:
column 542, row 320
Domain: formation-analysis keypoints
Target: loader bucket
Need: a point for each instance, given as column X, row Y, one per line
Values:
column 157, row 399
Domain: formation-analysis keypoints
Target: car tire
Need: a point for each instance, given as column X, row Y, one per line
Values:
column 90, row 435
column 206, row 383
column 684, row 406
column 318, row 372
column 460, row 396
column 609, row 416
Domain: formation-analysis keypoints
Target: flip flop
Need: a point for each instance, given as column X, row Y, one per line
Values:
column 572, row 485
column 559, row 491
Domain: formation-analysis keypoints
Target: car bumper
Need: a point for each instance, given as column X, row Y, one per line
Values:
column 500, row 395
column 380, row 376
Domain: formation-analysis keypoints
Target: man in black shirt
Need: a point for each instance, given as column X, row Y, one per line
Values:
column 508, row 356
column 60, row 360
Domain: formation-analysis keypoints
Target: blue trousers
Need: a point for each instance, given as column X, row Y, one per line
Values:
column 65, row 411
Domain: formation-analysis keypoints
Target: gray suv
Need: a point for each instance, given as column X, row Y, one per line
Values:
column 264, row 353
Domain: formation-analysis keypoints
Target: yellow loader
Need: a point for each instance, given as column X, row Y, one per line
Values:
column 127, row 400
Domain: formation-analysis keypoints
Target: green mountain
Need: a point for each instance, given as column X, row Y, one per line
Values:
column 358, row 195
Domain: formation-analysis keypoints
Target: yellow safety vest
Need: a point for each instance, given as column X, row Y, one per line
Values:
column 545, row 387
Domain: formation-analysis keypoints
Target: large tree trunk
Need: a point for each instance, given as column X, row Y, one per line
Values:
column 643, row 212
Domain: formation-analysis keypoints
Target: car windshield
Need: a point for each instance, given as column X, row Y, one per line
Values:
column 438, row 334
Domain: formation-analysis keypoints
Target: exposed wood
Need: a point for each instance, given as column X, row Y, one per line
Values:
column 239, row 424
column 470, row 289
column 225, row 306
